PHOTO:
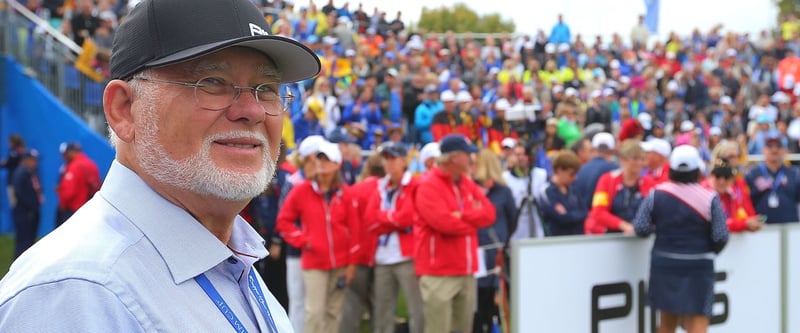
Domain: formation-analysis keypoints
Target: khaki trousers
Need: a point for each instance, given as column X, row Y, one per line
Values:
column 449, row 302
column 323, row 300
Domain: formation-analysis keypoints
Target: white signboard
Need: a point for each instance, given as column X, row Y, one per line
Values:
column 598, row 284
column 793, row 280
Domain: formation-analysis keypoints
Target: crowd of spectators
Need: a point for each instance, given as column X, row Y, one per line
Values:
column 580, row 128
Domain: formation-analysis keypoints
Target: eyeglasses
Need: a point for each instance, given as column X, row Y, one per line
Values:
column 216, row 94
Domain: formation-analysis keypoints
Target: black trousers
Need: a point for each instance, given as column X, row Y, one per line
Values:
column 26, row 226
column 487, row 309
column 273, row 272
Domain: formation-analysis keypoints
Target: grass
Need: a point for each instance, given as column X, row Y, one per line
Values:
column 6, row 252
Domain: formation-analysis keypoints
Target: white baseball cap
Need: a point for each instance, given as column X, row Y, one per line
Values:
column 685, row 158
column 657, row 145
column 725, row 100
column 447, row 96
column 463, row 96
column 645, row 120
column 331, row 151
column 430, row 150
column 603, row 138
column 502, row 104
column 310, row 145
column 687, row 125
column 781, row 97
column 508, row 143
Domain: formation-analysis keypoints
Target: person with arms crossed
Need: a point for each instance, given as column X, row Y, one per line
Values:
column 451, row 208
column 562, row 211
column 391, row 216
column 195, row 116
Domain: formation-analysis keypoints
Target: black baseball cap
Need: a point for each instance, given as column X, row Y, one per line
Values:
column 456, row 142
column 722, row 168
column 163, row 32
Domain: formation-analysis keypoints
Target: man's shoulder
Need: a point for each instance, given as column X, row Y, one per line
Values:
column 92, row 247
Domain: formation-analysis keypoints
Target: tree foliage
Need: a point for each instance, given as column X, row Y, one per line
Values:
column 461, row 18
column 788, row 6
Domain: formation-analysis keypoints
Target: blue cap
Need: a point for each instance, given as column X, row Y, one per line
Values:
column 395, row 149
column 68, row 146
column 763, row 119
column 775, row 136
column 456, row 142
column 340, row 135
column 311, row 39
column 30, row 153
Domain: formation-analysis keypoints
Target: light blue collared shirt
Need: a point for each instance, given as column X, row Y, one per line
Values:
column 126, row 262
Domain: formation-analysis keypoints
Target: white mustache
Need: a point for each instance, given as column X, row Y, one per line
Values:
column 236, row 135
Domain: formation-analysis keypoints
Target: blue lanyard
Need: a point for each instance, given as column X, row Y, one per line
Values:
column 261, row 300
column 227, row 312
column 776, row 182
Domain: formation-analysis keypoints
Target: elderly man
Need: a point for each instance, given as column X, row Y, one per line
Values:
column 195, row 115
column 451, row 209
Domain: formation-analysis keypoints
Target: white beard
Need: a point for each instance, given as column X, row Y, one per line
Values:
column 197, row 173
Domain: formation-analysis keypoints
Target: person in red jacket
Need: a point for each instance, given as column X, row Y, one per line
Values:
column 328, row 225
column 657, row 159
column 391, row 216
column 451, row 209
column 735, row 200
column 619, row 193
column 78, row 183
column 358, row 295
column 447, row 121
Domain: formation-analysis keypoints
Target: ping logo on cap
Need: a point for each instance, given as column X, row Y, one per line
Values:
column 256, row 30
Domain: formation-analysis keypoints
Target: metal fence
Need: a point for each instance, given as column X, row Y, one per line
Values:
column 49, row 56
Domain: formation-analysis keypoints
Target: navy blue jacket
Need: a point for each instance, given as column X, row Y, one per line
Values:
column 557, row 224
column 586, row 179
column 505, row 212
column 760, row 180
column 23, row 184
column 679, row 228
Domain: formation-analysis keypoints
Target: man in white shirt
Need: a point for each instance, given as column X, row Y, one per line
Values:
column 527, row 183
column 195, row 114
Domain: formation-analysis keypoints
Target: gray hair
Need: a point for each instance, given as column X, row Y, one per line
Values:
column 137, row 88
column 443, row 158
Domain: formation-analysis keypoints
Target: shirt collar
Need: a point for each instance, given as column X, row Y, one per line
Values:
column 187, row 248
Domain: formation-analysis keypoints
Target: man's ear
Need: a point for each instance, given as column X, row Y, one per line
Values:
column 117, row 101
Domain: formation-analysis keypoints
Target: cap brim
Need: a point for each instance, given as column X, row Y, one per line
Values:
column 294, row 60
